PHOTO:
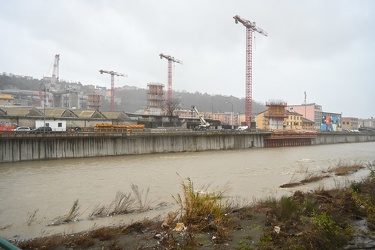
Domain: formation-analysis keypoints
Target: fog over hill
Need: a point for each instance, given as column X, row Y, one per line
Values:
column 134, row 99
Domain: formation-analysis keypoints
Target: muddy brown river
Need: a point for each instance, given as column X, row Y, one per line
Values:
column 49, row 188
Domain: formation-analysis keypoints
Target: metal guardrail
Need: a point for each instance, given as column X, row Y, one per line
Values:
column 7, row 245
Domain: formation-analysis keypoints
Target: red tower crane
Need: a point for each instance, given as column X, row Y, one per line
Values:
column 170, row 60
column 113, row 74
column 250, row 27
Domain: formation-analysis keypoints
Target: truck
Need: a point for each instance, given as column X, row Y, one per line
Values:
column 56, row 126
column 203, row 123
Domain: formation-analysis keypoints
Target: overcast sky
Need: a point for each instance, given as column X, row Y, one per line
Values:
column 326, row 48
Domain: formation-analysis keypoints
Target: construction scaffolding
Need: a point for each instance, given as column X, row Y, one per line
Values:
column 276, row 114
column 94, row 101
column 155, row 95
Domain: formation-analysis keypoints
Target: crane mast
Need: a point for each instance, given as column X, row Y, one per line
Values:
column 55, row 73
column 250, row 27
column 54, row 79
column 170, row 60
column 203, row 123
column 113, row 74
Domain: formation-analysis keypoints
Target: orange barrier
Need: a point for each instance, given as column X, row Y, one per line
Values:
column 6, row 128
column 117, row 127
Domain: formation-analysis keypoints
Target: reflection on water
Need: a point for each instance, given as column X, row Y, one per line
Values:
column 52, row 186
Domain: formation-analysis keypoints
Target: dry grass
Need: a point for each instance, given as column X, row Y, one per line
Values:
column 309, row 178
column 141, row 199
column 99, row 211
column 80, row 241
column 124, row 203
column 31, row 217
column 198, row 207
column 340, row 170
column 70, row 217
column 3, row 227
column 104, row 233
column 345, row 169
column 319, row 219
column 314, row 177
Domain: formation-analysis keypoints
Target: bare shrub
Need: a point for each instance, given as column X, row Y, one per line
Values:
column 31, row 217
column 122, row 204
column 143, row 204
column 99, row 211
column 71, row 216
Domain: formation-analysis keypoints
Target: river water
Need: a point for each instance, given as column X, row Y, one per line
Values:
column 49, row 188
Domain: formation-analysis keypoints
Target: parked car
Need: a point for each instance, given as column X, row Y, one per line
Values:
column 22, row 130
column 242, row 128
column 42, row 130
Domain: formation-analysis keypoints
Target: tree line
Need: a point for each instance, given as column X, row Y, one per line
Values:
column 134, row 99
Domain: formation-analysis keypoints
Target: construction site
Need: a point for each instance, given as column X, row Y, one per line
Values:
column 285, row 131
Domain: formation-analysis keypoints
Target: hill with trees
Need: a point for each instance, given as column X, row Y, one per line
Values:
column 134, row 99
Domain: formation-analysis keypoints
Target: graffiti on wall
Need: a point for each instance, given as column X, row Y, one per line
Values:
column 330, row 123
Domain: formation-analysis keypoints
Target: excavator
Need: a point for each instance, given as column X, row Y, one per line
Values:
column 203, row 124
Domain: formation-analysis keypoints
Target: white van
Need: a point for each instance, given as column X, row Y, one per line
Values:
column 56, row 126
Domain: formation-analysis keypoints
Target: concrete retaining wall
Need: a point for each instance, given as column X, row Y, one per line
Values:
column 332, row 138
column 39, row 147
column 14, row 148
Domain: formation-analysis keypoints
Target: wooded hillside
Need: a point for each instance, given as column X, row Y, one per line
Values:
column 134, row 99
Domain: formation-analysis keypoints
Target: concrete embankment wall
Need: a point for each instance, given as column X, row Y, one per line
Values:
column 39, row 147
column 14, row 148
column 332, row 138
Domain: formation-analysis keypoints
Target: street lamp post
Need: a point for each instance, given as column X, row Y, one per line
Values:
column 231, row 115
column 44, row 106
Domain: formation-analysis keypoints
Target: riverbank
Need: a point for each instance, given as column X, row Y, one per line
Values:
column 339, row 218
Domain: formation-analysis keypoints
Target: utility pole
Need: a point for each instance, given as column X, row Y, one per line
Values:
column 305, row 105
column 250, row 27
column 113, row 74
column 231, row 115
column 170, row 60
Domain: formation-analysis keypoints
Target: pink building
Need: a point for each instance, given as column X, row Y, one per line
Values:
column 310, row 111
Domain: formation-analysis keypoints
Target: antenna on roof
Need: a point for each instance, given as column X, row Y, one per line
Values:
column 305, row 105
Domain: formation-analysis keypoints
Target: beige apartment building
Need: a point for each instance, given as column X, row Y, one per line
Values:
column 6, row 100
column 350, row 123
